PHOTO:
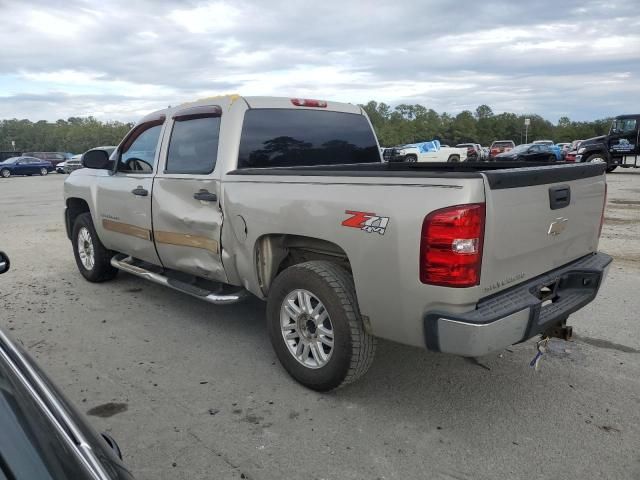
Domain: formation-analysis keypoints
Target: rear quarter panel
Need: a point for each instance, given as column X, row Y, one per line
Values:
column 385, row 267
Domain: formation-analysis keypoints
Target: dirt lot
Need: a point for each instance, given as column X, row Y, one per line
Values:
column 193, row 391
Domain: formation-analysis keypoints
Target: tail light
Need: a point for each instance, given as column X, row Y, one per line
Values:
column 604, row 206
column 451, row 246
column 307, row 102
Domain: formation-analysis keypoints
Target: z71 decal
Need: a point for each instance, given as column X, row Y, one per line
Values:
column 368, row 222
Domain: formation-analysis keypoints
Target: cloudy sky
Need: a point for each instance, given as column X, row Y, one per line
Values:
column 121, row 59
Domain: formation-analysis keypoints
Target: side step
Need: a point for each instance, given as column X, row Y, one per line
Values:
column 126, row 264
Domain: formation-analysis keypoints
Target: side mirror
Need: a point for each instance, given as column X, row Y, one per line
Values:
column 96, row 159
column 4, row 262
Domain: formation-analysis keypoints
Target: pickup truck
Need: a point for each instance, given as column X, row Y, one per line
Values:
column 620, row 148
column 288, row 200
column 427, row 152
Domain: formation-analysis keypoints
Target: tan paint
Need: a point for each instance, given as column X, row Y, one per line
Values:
column 126, row 229
column 187, row 240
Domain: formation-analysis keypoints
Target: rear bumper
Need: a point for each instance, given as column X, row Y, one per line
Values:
column 517, row 314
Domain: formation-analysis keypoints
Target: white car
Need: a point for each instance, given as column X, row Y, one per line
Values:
column 60, row 167
column 430, row 152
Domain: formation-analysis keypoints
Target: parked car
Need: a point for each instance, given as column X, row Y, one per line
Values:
column 571, row 154
column 54, row 157
column 500, row 146
column 620, row 148
column 528, row 152
column 474, row 151
column 287, row 200
column 25, row 166
column 60, row 167
column 42, row 436
column 73, row 163
column 428, row 152
column 554, row 148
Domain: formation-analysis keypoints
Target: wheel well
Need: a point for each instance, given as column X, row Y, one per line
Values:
column 276, row 252
column 75, row 207
column 453, row 156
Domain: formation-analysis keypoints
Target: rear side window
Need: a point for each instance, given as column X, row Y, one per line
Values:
column 193, row 147
column 287, row 137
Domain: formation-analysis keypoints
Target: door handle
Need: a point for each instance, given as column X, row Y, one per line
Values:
column 139, row 191
column 205, row 196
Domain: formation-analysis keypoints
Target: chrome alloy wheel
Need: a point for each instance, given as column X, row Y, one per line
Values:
column 85, row 249
column 306, row 328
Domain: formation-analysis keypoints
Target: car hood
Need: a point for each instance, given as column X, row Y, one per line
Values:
column 591, row 141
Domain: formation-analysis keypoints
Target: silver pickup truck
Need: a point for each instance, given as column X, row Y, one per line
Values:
column 288, row 200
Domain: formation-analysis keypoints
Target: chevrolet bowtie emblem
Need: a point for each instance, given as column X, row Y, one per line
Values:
column 557, row 226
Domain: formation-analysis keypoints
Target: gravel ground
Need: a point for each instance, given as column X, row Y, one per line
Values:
column 193, row 391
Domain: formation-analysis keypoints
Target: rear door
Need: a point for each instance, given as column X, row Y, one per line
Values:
column 187, row 216
column 538, row 219
column 124, row 200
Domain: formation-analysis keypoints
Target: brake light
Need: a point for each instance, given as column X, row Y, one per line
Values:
column 307, row 102
column 604, row 206
column 451, row 246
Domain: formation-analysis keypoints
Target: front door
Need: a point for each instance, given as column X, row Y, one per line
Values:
column 124, row 203
column 187, row 217
column 623, row 138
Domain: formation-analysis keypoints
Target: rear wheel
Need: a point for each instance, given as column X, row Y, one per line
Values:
column 43, row 171
column 92, row 258
column 552, row 158
column 315, row 326
column 411, row 158
column 5, row 173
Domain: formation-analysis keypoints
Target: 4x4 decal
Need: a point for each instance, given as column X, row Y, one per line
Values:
column 368, row 222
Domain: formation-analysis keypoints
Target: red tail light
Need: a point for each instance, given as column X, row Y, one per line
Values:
column 451, row 246
column 604, row 206
column 307, row 102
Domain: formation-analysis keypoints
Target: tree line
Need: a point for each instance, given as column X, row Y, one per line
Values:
column 394, row 126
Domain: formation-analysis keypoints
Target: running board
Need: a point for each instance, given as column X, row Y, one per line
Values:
column 125, row 263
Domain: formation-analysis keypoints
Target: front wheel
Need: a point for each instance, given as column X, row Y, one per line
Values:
column 411, row 158
column 5, row 173
column 43, row 171
column 453, row 159
column 611, row 168
column 315, row 326
column 92, row 258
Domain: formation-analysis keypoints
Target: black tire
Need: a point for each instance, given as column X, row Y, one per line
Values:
column 552, row 158
column 102, row 269
column 5, row 173
column 453, row 159
column 353, row 348
column 611, row 168
column 43, row 171
column 411, row 158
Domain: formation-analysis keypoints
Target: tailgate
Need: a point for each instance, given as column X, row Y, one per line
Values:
column 538, row 219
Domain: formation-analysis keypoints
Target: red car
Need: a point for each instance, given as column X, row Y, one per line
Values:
column 500, row 146
column 570, row 156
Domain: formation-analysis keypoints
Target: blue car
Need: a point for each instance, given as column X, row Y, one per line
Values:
column 25, row 166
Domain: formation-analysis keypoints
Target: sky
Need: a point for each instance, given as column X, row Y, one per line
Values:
column 118, row 60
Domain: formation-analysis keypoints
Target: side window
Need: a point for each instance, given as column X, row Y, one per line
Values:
column 139, row 152
column 193, row 147
column 629, row 126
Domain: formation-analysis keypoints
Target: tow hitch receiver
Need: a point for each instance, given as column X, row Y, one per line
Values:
column 560, row 330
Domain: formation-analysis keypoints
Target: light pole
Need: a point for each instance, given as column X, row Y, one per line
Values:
column 527, row 122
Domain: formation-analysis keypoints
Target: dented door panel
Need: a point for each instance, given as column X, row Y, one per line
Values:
column 187, row 231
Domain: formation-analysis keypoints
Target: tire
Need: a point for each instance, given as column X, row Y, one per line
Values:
column 352, row 349
column 411, row 158
column 99, row 269
column 43, row 171
column 596, row 158
column 5, row 173
column 551, row 159
column 453, row 159
column 611, row 168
